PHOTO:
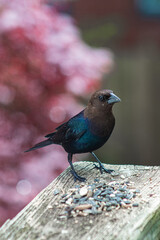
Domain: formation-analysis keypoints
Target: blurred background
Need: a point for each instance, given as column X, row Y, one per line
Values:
column 54, row 55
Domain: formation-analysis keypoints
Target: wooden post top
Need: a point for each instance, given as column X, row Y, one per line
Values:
column 41, row 220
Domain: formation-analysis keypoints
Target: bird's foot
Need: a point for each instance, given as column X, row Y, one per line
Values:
column 77, row 177
column 102, row 168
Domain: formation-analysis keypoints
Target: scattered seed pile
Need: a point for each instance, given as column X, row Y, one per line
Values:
column 94, row 198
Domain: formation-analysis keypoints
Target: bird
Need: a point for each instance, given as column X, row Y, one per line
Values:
column 87, row 131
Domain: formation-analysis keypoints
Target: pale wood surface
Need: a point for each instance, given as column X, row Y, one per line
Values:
column 39, row 219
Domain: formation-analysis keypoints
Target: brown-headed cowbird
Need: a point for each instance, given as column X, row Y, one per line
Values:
column 87, row 131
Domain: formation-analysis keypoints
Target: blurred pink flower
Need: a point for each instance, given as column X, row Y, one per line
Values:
column 44, row 66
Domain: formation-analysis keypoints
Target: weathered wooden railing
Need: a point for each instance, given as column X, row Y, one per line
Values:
column 41, row 220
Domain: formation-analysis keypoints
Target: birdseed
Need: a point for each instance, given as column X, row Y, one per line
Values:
column 97, row 197
column 56, row 191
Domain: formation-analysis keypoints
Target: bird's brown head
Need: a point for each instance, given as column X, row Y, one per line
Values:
column 101, row 102
column 101, row 99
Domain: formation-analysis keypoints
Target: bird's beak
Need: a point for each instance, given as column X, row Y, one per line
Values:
column 113, row 99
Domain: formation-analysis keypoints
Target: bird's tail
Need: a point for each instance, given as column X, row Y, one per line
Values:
column 40, row 145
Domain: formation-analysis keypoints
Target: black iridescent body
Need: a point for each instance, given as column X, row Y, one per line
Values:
column 87, row 131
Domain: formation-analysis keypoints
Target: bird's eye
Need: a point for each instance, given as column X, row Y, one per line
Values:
column 102, row 98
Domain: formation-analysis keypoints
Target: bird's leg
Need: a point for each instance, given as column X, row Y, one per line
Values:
column 101, row 166
column 75, row 175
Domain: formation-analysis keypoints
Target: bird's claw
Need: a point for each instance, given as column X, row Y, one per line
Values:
column 77, row 177
column 102, row 168
column 95, row 165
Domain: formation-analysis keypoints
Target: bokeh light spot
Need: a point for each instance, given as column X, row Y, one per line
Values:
column 57, row 114
column 24, row 187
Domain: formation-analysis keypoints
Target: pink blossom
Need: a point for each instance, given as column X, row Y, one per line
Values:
column 44, row 66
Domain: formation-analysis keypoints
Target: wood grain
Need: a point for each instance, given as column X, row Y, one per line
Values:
column 40, row 218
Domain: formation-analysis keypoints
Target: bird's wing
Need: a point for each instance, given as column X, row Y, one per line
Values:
column 73, row 134
column 74, row 129
column 67, row 132
column 77, row 127
column 61, row 127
